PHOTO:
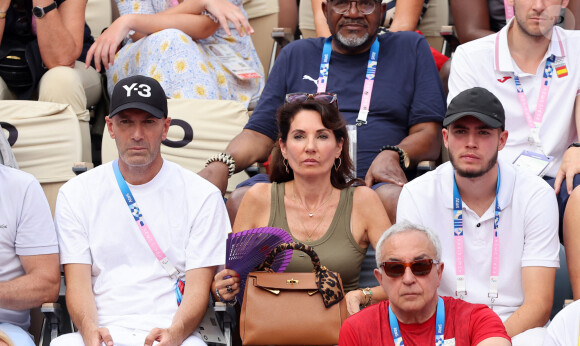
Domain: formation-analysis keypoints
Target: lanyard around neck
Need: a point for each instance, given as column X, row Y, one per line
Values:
column 140, row 220
column 146, row 232
column 459, row 250
column 369, row 77
column 534, row 122
column 439, row 325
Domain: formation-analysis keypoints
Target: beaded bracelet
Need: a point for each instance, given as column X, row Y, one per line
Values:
column 224, row 158
column 227, row 302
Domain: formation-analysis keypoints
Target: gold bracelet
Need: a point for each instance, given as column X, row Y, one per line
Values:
column 368, row 293
column 2, row 15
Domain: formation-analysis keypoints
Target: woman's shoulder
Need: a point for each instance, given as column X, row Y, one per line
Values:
column 259, row 192
column 366, row 201
column 362, row 193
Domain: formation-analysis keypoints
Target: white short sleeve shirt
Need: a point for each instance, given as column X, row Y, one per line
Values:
column 528, row 232
column 487, row 63
column 186, row 215
column 26, row 229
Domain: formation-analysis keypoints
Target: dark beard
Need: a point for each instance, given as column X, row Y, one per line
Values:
column 476, row 174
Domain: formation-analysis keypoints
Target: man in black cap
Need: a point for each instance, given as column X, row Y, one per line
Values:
column 136, row 231
column 498, row 224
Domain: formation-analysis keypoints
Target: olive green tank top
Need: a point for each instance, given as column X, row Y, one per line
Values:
column 337, row 249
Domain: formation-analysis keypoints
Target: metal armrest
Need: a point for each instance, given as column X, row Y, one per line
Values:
column 52, row 317
column 281, row 36
column 425, row 166
column 451, row 41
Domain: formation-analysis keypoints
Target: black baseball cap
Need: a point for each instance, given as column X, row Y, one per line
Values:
column 139, row 92
column 477, row 102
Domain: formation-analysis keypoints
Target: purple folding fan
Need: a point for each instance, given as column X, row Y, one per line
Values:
column 247, row 249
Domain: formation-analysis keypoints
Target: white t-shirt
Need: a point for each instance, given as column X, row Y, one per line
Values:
column 564, row 330
column 26, row 229
column 528, row 232
column 482, row 63
column 186, row 215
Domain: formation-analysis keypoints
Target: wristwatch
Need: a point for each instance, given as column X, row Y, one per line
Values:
column 404, row 160
column 575, row 144
column 40, row 12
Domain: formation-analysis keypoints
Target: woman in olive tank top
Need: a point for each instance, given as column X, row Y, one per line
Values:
column 311, row 196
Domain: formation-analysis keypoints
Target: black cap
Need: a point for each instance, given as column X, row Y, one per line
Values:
column 477, row 102
column 139, row 92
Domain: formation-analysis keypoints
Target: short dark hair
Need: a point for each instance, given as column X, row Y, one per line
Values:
column 332, row 120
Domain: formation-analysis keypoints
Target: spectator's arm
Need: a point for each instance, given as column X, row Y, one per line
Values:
column 60, row 32
column 246, row 148
column 254, row 210
column 368, row 209
column 422, row 143
column 570, row 165
column 106, row 46
column 223, row 10
column 574, row 7
column 39, row 284
column 81, row 305
column 407, row 15
column 538, row 286
column 471, row 19
column 320, row 22
column 190, row 312
column 288, row 15
column 4, row 5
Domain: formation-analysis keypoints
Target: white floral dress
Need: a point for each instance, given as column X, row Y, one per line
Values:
column 185, row 68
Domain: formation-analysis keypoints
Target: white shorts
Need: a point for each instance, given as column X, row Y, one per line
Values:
column 123, row 337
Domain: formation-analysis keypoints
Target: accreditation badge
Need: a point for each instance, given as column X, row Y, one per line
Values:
column 449, row 342
column 228, row 58
column 533, row 162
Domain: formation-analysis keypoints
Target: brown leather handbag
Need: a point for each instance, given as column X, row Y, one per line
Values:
column 292, row 308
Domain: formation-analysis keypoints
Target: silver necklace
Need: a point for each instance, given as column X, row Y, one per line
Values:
column 310, row 213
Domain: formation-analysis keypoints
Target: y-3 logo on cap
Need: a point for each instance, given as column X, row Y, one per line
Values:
column 142, row 90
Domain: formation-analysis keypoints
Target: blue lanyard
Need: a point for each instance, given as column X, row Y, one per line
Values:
column 369, row 77
column 439, row 325
column 146, row 232
column 459, row 249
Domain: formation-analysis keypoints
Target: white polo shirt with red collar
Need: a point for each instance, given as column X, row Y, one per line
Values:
column 487, row 63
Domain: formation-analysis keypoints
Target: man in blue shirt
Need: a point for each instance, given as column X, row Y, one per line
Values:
column 405, row 110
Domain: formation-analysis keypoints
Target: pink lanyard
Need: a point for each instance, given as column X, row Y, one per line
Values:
column 369, row 77
column 535, row 122
column 509, row 11
column 146, row 232
column 459, row 250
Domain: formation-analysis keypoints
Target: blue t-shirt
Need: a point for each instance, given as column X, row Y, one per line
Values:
column 407, row 89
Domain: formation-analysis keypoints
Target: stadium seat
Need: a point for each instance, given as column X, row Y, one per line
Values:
column 46, row 140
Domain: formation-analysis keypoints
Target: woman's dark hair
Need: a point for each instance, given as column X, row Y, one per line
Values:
column 332, row 120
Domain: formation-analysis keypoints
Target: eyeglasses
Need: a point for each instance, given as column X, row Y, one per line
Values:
column 418, row 268
column 329, row 98
column 364, row 7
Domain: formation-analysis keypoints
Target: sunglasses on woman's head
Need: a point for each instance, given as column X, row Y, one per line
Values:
column 418, row 268
column 329, row 98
